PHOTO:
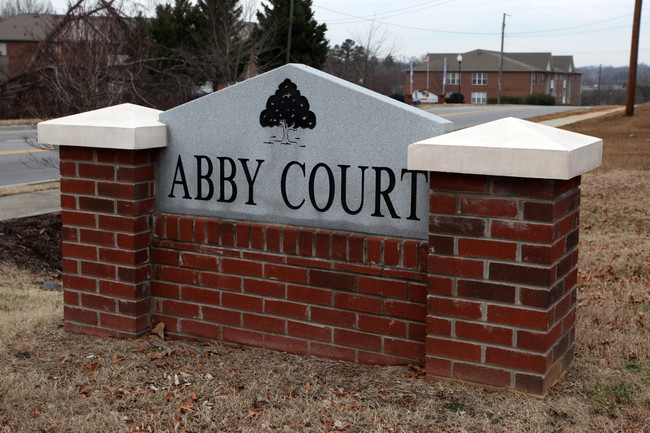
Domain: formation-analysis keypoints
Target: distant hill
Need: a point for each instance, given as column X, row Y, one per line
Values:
column 613, row 74
column 613, row 84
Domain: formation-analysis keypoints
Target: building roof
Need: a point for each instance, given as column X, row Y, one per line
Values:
column 26, row 27
column 488, row 61
column 563, row 64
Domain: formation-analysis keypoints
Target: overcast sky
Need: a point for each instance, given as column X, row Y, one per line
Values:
column 593, row 31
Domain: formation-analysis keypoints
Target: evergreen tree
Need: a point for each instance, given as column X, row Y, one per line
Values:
column 308, row 43
column 172, row 33
column 193, row 45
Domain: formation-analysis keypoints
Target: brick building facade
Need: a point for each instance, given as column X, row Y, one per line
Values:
column 19, row 39
column 523, row 74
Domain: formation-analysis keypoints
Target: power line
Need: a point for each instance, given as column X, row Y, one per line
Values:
column 363, row 19
column 525, row 35
column 573, row 27
column 454, row 32
column 389, row 14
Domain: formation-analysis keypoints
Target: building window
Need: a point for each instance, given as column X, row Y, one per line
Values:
column 479, row 79
column 479, row 98
column 3, row 49
column 534, row 78
column 452, row 78
column 543, row 78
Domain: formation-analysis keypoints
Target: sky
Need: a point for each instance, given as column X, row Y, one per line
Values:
column 593, row 31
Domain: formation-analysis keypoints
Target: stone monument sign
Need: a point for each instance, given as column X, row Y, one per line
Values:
column 297, row 146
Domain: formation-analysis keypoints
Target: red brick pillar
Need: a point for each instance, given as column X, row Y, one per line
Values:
column 502, row 279
column 108, row 160
column 107, row 200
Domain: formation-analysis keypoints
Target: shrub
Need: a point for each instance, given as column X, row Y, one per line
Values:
column 507, row 100
column 398, row 96
column 455, row 98
column 540, row 99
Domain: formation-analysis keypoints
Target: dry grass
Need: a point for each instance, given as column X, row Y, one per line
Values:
column 25, row 188
column 53, row 381
column 19, row 122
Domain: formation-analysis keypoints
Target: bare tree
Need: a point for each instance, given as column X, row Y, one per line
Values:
column 84, row 62
column 376, row 43
column 87, row 61
column 11, row 8
column 367, row 61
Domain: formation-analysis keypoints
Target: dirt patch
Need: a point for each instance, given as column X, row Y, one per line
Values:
column 626, row 140
column 33, row 243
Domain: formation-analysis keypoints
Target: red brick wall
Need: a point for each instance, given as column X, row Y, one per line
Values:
column 20, row 54
column 489, row 298
column 503, row 271
column 513, row 84
column 330, row 294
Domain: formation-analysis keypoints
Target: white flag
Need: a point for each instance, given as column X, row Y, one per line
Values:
column 444, row 74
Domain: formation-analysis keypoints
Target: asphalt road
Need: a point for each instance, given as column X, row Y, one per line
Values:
column 21, row 163
column 465, row 116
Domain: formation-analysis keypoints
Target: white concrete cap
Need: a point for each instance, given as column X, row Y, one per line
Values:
column 509, row 147
column 125, row 126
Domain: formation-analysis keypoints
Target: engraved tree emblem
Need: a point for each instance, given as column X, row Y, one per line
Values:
column 288, row 109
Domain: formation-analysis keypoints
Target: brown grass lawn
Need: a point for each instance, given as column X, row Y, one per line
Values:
column 53, row 381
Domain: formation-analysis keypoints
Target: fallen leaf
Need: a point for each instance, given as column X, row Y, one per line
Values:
column 194, row 397
column 340, row 425
column 37, row 413
column 159, row 330
column 308, row 385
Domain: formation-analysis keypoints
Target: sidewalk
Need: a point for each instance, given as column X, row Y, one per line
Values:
column 567, row 120
column 30, row 204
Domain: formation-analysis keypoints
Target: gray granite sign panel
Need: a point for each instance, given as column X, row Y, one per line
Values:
column 298, row 146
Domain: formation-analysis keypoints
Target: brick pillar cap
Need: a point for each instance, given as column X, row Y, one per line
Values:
column 125, row 126
column 509, row 147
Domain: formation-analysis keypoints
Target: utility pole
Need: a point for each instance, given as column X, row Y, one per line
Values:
column 600, row 74
column 503, row 29
column 289, row 35
column 634, row 60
